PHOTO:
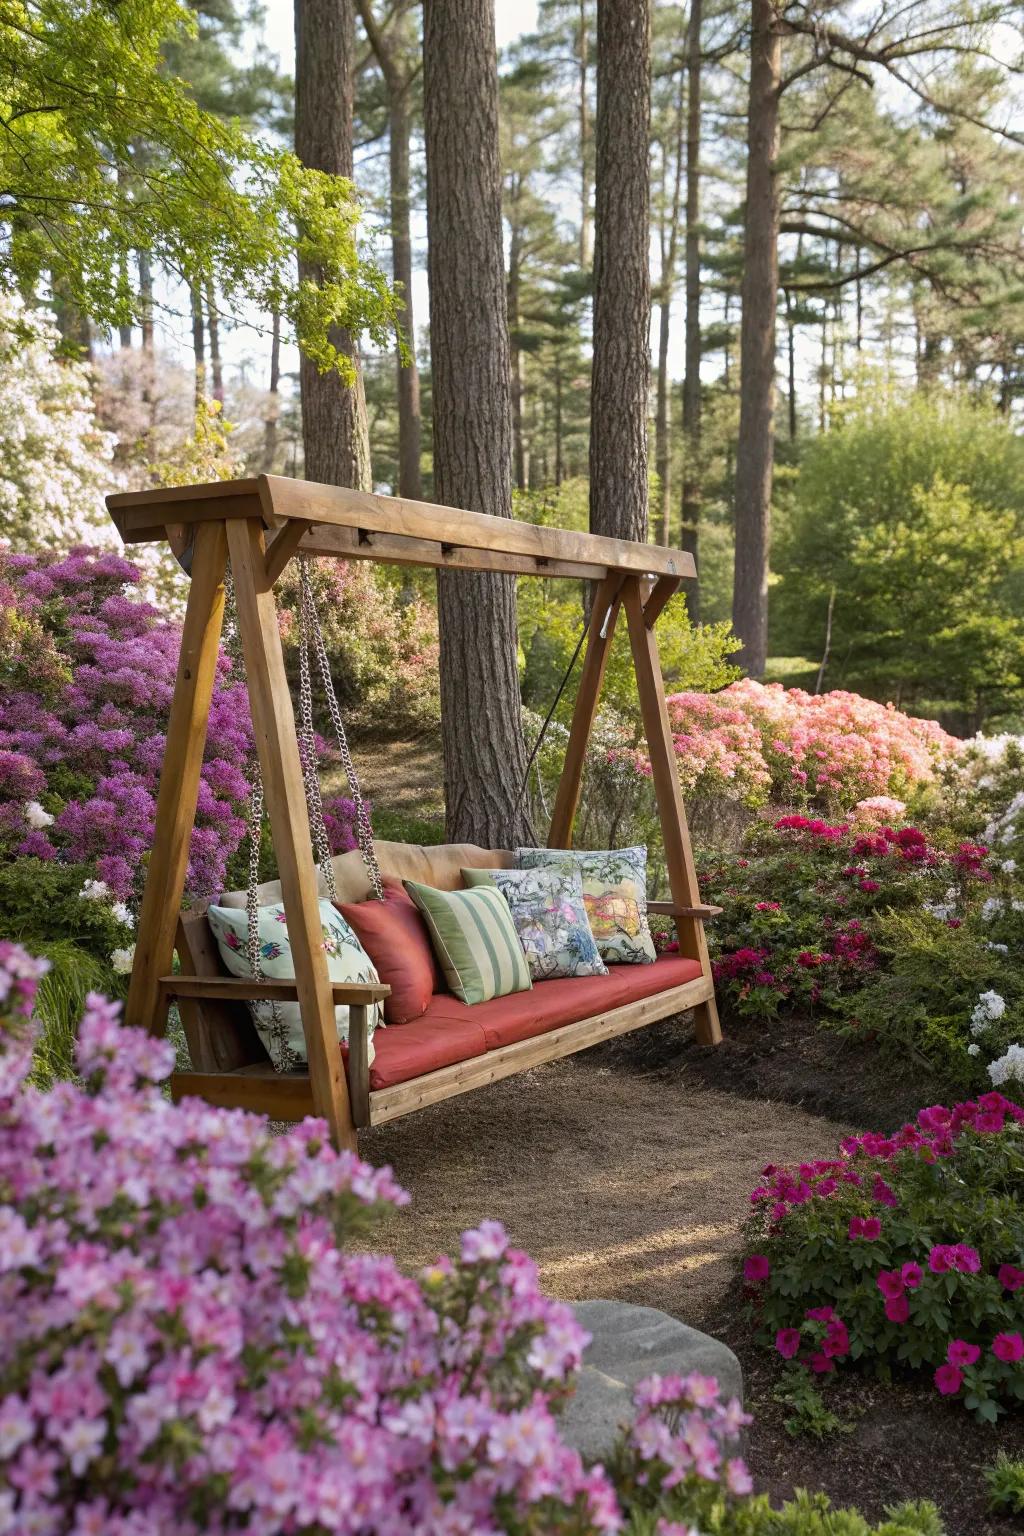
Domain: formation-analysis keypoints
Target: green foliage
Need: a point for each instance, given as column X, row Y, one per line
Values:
column 88, row 105
column 911, row 511
column 60, row 1002
column 41, row 903
column 1004, row 1480
column 808, row 1413
column 806, row 1514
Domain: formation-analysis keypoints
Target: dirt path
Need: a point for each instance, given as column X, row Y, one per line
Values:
column 619, row 1183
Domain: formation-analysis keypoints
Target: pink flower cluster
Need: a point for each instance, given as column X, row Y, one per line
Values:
column 190, row 1349
column 91, row 672
column 756, row 741
column 826, row 1335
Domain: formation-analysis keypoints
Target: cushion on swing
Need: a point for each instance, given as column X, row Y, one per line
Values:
column 475, row 940
column 451, row 1031
column 550, row 917
column 395, row 937
column 615, row 893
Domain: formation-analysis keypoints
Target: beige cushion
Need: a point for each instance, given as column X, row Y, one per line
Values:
column 438, row 866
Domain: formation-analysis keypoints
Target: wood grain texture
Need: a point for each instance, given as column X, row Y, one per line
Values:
column 179, row 781
column 220, row 1032
column 682, row 873
column 622, row 283
column 277, row 744
column 605, row 612
column 282, row 991
column 484, row 750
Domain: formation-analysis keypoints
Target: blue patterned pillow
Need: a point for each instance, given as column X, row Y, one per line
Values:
column 551, row 919
column 615, row 893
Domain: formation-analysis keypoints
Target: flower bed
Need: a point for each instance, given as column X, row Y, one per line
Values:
column 906, row 1251
column 190, row 1348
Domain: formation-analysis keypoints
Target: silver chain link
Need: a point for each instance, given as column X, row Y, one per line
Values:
column 364, row 832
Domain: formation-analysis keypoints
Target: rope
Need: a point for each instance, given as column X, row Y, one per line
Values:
column 551, row 712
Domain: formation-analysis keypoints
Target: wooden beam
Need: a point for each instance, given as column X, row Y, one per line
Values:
column 669, row 909
column 471, row 530
column 682, row 873
column 274, row 727
column 396, row 549
column 604, row 613
column 259, row 1088
column 663, row 591
column 142, row 517
column 389, row 1103
column 237, row 988
column 359, row 1063
column 179, row 781
column 283, row 546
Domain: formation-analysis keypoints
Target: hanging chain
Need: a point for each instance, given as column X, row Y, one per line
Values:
column 281, row 1053
column 308, row 754
column 313, row 630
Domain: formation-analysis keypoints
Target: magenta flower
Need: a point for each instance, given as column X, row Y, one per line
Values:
column 891, row 1283
column 821, row 1364
column 960, row 1352
column 897, row 1309
column 867, row 1227
column 948, row 1380
column 1010, row 1277
column 966, row 1259
column 787, row 1342
column 940, row 1259
column 756, row 1269
column 1008, row 1347
column 911, row 1274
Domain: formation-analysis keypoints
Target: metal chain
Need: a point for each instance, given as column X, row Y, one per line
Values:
column 308, row 754
column 364, row 832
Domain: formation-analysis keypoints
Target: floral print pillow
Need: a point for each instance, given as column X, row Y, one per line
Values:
column 550, row 918
column 280, row 1024
column 615, row 895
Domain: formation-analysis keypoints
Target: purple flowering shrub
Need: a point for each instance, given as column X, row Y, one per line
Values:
column 86, row 676
column 190, row 1348
column 906, row 1252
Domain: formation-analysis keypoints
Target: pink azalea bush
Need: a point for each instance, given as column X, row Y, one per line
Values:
column 903, row 1252
column 87, row 669
column 756, row 742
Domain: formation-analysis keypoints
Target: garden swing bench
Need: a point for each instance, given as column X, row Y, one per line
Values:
column 253, row 528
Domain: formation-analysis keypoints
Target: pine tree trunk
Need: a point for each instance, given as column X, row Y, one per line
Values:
column 583, row 50
column 666, row 289
column 519, row 454
column 146, row 299
column 756, row 446
column 324, row 65
column 213, row 327
column 198, row 344
column 691, row 507
column 622, row 285
column 484, row 753
column 273, row 416
column 410, row 479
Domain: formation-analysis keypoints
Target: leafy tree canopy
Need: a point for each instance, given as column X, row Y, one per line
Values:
column 104, row 154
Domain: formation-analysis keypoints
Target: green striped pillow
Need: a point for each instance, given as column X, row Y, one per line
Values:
column 475, row 940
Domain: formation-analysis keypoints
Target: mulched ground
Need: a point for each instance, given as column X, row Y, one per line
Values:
column 625, row 1171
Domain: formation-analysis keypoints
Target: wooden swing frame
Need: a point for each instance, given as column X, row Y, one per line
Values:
column 258, row 525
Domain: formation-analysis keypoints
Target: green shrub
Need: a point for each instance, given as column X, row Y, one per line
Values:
column 1005, row 1482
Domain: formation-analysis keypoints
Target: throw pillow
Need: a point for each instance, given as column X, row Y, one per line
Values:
column 395, row 937
column 280, row 1024
column 551, row 919
column 615, row 894
column 475, row 940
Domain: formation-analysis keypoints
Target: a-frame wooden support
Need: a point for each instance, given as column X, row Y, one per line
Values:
column 274, row 728
column 614, row 592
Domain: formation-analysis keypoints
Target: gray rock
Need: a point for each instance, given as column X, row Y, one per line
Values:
column 628, row 1344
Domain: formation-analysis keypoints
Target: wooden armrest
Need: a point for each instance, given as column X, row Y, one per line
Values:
column 229, row 988
column 669, row 909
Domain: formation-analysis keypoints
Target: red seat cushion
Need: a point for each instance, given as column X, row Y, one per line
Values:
column 451, row 1031
column 395, row 937
column 409, row 1050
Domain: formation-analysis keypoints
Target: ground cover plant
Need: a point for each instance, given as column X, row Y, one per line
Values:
column 194, row 1348
column 904, row 1253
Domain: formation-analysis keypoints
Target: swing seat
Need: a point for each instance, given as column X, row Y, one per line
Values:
column 451, row 1049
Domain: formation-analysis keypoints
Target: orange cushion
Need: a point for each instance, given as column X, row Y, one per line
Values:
column 451, row 1031
column 395, row 937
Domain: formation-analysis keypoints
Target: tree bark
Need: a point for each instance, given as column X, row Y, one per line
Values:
column 410, row 479
column 213, row 328
column 484, row 753
column 324, row 71
column 622, row 284
column 146, row 299
column 691, row 507
column 273, row 416
column 520, row 457
column 666, row 289
column 756, row 446
column 583, row 51
column 198, row 344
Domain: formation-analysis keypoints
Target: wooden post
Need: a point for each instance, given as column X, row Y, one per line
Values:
column 274, row 726
column 179, row 780
column 604, row 612
column 682, row 874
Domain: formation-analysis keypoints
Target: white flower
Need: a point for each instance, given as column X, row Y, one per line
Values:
column 122, row 960
column 1008, row 1066
column 943, row 910
column 1008, row 866
column 95, row 890
column 974, row 1050
column 1000, row 949
column 36, row 816
column 991, row 908
column 123, row 914
column 989, row 1007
